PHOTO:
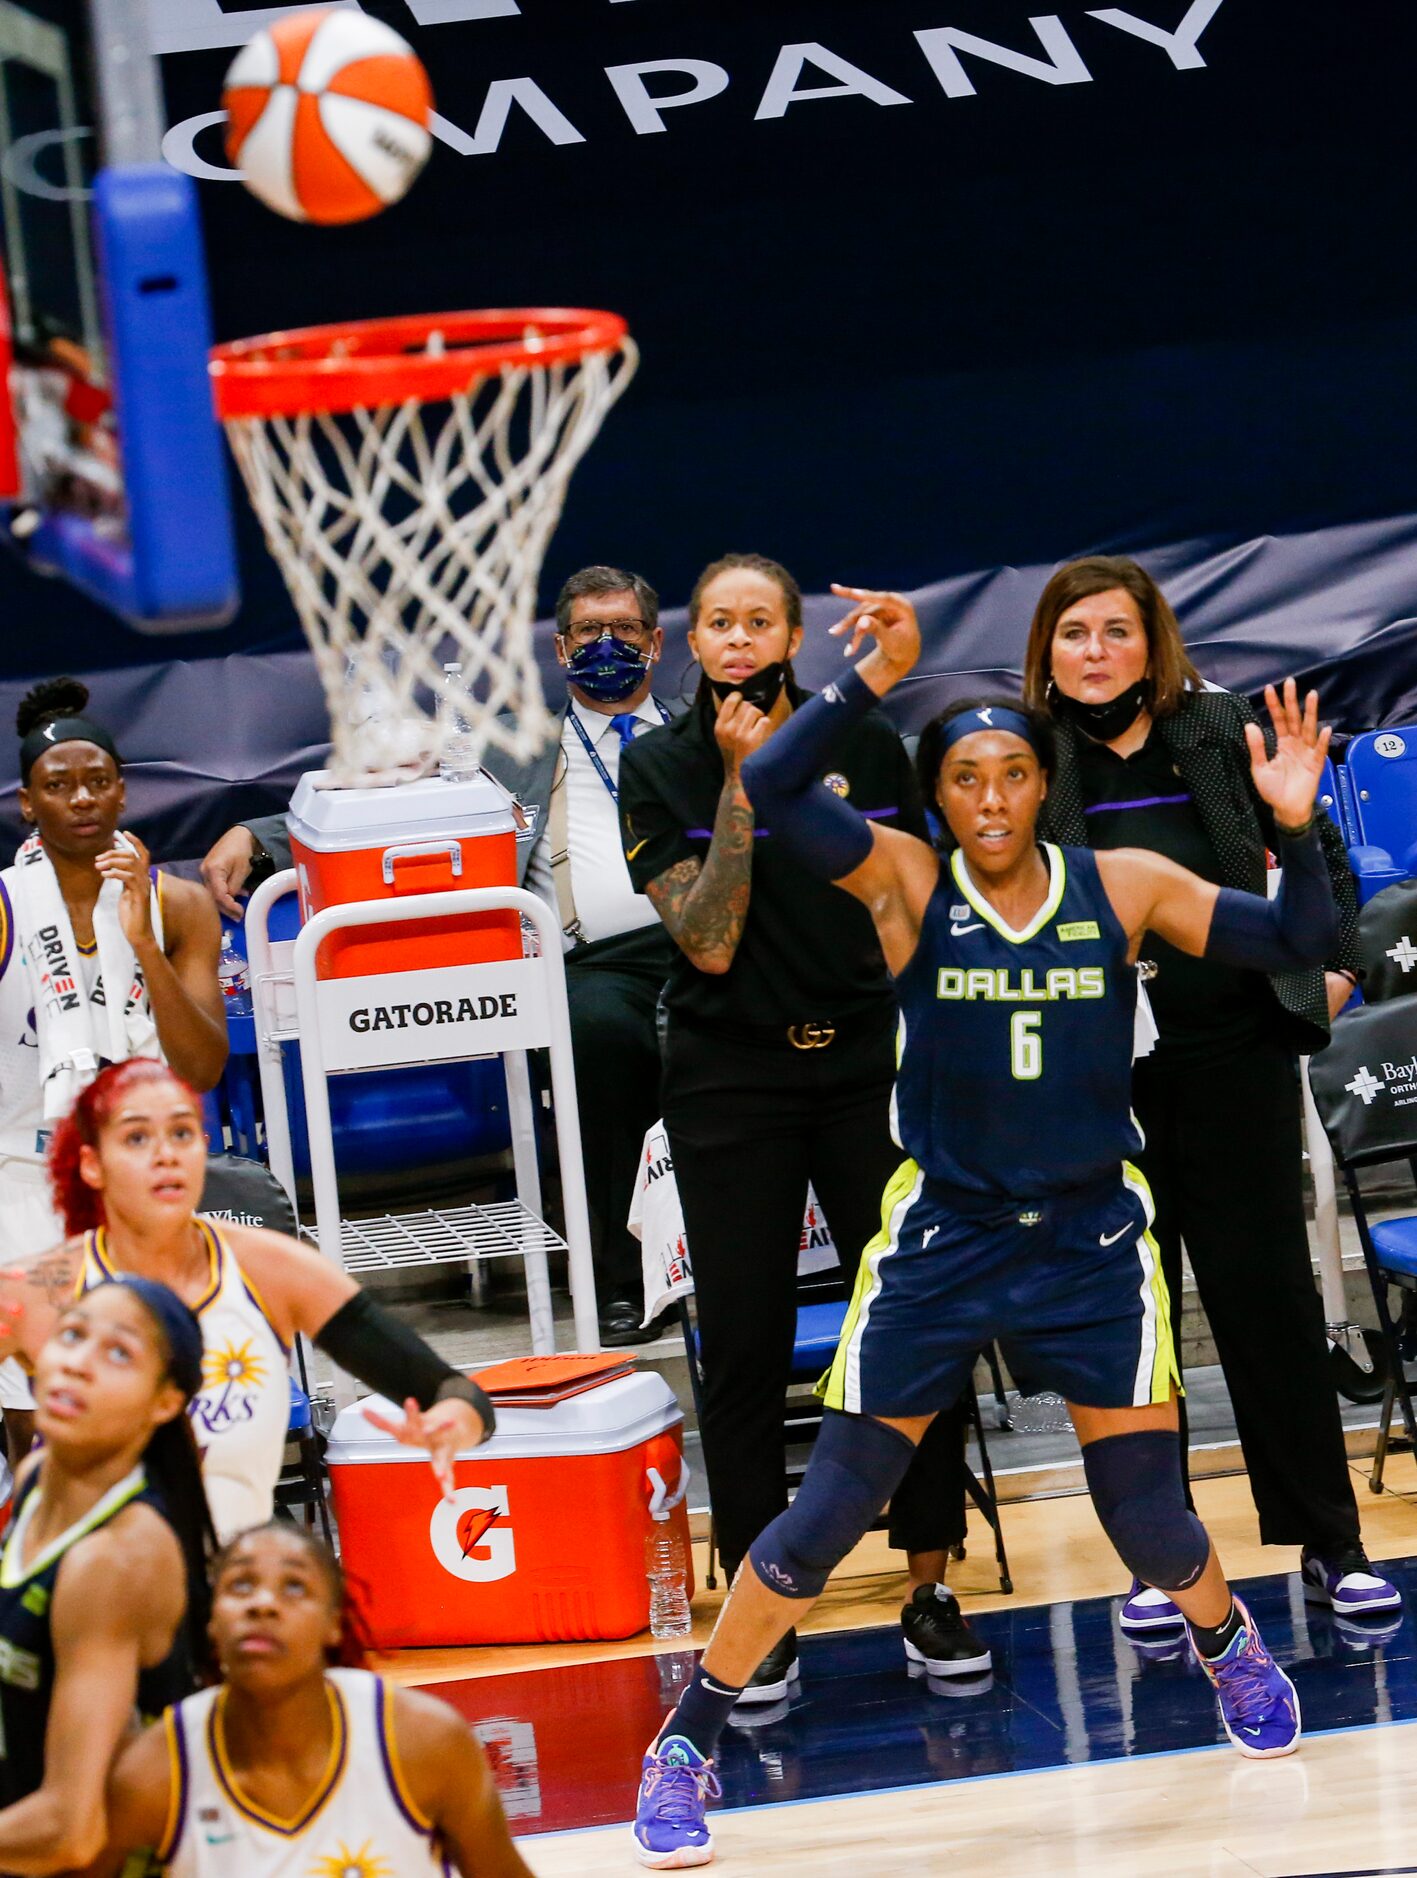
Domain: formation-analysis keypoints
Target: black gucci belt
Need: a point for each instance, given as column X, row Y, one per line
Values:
column 810, row 1036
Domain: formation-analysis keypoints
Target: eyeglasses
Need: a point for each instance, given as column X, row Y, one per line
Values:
column 585, row 632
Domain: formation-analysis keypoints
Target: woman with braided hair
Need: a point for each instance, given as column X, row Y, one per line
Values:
column 102, row 957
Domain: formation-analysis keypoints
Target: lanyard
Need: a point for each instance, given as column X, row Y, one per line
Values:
column 594, row 754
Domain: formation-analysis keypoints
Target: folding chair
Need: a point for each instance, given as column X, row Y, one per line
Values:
column 1381, row 767
column 1365, row 1089
column 1387, row 940
column 819, row 1322
column 248, row 1194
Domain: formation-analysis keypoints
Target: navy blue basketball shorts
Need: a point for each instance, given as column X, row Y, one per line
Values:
column 1070, row 1287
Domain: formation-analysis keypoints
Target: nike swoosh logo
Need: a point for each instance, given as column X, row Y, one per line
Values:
column 978, row 926
column 1111, row 1239
column 630, row 853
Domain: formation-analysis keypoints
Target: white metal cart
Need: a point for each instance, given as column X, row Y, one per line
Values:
column 504, row 1007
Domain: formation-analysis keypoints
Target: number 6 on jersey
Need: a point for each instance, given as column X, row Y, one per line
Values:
column 1026, row 1046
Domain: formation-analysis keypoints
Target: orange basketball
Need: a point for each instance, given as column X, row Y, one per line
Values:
column 328, row 116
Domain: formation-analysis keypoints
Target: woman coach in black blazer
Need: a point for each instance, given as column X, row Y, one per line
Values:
column 778, row 1068
column 1148, row 758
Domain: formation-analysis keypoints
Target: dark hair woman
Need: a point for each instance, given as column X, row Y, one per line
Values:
column 129, row 1166
column 105, row 1555
column 301, row 1756
column 1148, row 758
column 779, row 1062
column 138, row 949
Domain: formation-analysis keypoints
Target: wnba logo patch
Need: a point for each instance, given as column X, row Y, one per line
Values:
column 467, row 1542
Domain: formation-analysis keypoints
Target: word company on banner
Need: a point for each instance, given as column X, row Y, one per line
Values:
column 650, row 91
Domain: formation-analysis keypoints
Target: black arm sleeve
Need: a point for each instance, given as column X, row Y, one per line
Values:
column 1294, row 930
column 385, row 1354
column 1346, row 954
column 816, row 827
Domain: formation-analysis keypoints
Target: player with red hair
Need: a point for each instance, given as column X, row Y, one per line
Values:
column 128, row 1166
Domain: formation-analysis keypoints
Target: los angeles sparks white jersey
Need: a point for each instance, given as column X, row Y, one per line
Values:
column 242, row 1412
column 360, row 1822
column 22, row 1126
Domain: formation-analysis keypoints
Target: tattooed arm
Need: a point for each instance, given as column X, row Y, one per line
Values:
column 704, row 904
column 32, row 1296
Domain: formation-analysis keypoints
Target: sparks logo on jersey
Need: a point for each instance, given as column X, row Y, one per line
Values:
column 232, row 1374
column 365, row 1863
column 1079, row 929
column 233, row 1363
column 998, row 985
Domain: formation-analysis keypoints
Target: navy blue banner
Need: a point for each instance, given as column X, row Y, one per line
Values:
column 210, row 741
column 922, row 288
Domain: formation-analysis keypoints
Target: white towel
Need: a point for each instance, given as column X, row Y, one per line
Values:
column 78, row 1033
column 657, row 1221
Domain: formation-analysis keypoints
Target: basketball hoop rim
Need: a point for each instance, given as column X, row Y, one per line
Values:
column 365, row 364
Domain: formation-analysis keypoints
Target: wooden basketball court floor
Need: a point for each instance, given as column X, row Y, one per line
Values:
column 1081, row 1757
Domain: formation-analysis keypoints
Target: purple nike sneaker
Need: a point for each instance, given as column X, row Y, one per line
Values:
column 670, row 1829
column 1258, row 1704
column 1347, row 1582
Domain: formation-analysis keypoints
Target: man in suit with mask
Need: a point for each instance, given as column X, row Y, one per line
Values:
column 608, row 640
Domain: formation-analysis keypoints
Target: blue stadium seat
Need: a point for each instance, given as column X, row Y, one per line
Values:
column 814, row 1346
column 301, row 1487
column 1330, row 798
column 1382, row 776
column 1395, row 1242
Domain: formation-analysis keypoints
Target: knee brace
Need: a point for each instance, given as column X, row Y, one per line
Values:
column 855, row 1467
column 1135, row 1482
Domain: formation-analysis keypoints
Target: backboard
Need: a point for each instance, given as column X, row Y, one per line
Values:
column 112, row 471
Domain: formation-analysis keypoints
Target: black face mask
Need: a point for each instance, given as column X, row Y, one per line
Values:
column 762, row 690
column 1103, row 722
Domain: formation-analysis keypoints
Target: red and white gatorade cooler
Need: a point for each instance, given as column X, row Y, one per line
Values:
column 428, row 836
column 545, row 1539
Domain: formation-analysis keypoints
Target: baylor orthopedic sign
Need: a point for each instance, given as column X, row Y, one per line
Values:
column 781, row 79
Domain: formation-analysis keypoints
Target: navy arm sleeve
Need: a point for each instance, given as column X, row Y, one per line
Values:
column 1295, row 930
column 817, row 828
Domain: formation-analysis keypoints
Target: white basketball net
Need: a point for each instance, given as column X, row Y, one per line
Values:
column 411, row 536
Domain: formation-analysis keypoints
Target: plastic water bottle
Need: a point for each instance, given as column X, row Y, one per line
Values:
column 666, row 1570
column 458, row 760
column 234, row 978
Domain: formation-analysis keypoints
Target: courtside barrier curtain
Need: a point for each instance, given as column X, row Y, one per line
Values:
column 921, row 288
column 208, row 741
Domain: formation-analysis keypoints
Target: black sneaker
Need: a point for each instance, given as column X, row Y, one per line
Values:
column 772, row 1679
column 935, row 1634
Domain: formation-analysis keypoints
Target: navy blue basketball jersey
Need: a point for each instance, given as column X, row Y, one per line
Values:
column 1015, row 1072
column 27, row 1648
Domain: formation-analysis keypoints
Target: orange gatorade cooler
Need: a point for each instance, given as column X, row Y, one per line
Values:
column 428, row 836
column 545, row 1539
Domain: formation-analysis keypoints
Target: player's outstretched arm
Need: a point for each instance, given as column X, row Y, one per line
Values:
column 1295, row 930
column 445, row 1412
column 451, row 1783
column 821, row 831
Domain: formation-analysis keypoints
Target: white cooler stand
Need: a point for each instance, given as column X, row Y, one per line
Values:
column 330, row 1017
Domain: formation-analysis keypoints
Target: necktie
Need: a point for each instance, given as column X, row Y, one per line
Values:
column 627, row 724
